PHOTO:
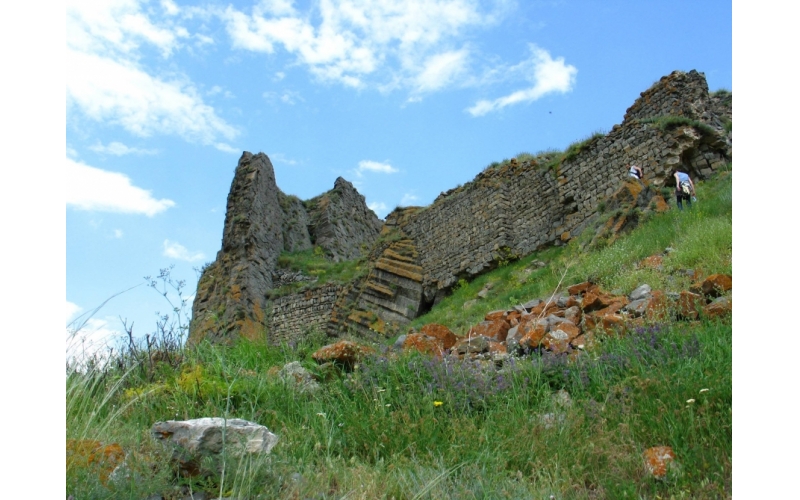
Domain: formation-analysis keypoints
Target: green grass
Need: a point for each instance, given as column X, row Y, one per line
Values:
column 378, row 431
column 669, row 122
column 314, row 263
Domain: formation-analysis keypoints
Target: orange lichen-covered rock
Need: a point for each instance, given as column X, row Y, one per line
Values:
column 344, row 352
column 531, row 334
column 422, row 343
column 659, row 306
column 608, row 323
column 544, row 308
column 689, row 304
column 497, row 347
column 497, row 329
column 720, row 307
column 495, row 315
column 582, row 288
column 614, row 307
column 661, row 204
column 568, row 328
column 714, row 286
column 657, row 460
column 594, row 301
column 94, row 454
column 440, row 332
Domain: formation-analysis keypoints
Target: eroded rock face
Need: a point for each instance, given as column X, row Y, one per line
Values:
column 260, row 223
column 341, row 222
column 231, row 292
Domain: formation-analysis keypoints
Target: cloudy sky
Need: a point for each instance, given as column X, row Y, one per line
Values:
column 404, row 98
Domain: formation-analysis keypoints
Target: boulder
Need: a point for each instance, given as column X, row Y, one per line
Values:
column 641, row 292
column 441, row 333
column 204, row 436
column 637, row 307
column 714, row 286
column 295, row 375
column 689, row 304
column 344, row 352
column 472, row 345
column 720, row 306
column 422, row 343
column 496, row 330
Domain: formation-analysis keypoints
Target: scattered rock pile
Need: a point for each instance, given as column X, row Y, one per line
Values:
column 564, row 323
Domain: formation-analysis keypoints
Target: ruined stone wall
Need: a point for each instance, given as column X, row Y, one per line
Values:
column 292, row 316
column 521, row 207
column 509, row 210
column 677, row 94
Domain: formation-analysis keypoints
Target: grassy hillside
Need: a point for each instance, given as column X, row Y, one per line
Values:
column 413, row 427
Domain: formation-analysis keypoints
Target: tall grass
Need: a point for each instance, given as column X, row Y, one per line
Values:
column 411, row 427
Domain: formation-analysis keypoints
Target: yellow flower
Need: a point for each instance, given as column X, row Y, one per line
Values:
column 437, row 403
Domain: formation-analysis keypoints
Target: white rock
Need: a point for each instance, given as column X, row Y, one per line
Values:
column 205, row 435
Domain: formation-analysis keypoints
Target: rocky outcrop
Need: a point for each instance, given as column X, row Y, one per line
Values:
column 260, row 223
column 341, row 223
column 231, row 291
column 504, row 213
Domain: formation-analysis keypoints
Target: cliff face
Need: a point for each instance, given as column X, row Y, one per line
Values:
column 341, row 223
column 260, row 223
column 421, row 254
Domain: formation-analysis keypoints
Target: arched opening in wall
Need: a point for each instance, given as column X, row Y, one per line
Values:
column 425, row 306
column 687, row 158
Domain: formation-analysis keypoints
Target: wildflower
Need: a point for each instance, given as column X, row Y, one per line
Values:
column 690, row 401
column 437, row 403
column 320, row 414
column 381, row 390
column 388, row 405
column 703, row 390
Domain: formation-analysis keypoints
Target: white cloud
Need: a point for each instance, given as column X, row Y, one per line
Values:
column 226, row 148
column 108, row 83
column 408, row 199
column 119, row 149
column 90, row 188
column 289, row 97
column 175, row 250
column 118, row 26
column 374, row 166
column 118, row 233
column 441, row 70
column 72, row 310
column 549, row 75
column 398, row 43
column 120, row 93
column 281, row 158
column 92, row 341
column 378, row 207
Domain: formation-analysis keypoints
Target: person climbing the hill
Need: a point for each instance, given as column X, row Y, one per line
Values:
column 684, row 188
column 636, row 172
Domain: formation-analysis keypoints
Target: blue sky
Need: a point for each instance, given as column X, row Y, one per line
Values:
column 405, row 99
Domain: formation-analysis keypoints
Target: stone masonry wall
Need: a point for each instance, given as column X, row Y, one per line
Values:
column 292, row 316
column 520, row 207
